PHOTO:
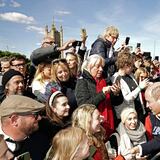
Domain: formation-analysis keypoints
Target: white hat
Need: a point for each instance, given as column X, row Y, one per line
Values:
column 125, row 113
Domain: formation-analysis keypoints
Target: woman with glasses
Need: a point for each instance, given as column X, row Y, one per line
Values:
column 69, row 144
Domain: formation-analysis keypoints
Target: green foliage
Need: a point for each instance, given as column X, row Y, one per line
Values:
column 12, row 54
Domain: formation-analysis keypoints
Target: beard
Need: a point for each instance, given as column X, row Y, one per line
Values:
column 29, row 128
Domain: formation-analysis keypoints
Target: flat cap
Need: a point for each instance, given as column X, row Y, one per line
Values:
column 19, row 104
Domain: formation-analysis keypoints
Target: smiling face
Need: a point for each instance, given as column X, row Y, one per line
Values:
column 15, row 85
column 131, row 121
column 62, row 73
column 61, row 107
column 95, row 123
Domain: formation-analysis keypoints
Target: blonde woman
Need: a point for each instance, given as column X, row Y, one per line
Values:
column 41, row 79
column 88, row 118
column 69, row 144
column 62, row 80
column 141, row 74
column 74, row 63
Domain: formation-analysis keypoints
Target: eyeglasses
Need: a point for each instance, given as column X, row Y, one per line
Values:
column 114, row 37
column 19, row 65
column 49, row 42
column 55, row 61
column 34, row 114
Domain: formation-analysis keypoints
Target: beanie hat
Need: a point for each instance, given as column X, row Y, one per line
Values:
column 8, row 75
column 125, row 113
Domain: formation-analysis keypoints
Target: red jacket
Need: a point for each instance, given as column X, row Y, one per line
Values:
column 105, row 109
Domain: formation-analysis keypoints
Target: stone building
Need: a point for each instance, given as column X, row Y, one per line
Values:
column 54, row 33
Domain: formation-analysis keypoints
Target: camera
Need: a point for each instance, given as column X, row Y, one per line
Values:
column 76, row 43
column 127, row 40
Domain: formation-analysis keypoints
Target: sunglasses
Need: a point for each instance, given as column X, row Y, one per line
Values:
column 34, row 114
column 55, row 61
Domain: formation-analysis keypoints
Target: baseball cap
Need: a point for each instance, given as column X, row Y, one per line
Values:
column 19, row 104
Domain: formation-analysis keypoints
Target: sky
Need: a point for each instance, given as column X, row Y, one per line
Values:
column 22, row 22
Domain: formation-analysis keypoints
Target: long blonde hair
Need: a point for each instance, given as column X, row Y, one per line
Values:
column 82, row 118
column 39, row 72
column 55, row 64
column 65, row 143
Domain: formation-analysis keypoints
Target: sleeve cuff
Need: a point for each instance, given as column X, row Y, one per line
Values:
column 140, row 151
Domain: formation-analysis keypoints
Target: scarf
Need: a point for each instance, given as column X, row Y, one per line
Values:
column 130, row 138
column 137, row 136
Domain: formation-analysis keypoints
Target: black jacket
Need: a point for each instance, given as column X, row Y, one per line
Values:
column 43, row 53
column 102, row 48
column 86, row 90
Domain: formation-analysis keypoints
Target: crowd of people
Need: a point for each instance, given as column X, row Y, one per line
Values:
column 75, row 104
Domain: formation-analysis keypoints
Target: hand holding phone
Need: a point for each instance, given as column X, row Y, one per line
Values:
column 127, row 40
column 76, row 43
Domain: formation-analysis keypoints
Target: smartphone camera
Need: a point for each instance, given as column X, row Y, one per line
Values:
column 76, row 43
column 127, row 40
column 138, row 45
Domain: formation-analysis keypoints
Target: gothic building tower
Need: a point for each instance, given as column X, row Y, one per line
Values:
column 54, row 33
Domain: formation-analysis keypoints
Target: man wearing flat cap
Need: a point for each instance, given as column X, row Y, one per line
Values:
column 19, row 119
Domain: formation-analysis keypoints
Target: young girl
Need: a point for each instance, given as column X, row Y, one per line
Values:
column 88, row 118
column 70, row 144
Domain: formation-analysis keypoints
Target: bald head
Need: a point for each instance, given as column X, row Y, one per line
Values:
column 47, row 41
column 154, row 91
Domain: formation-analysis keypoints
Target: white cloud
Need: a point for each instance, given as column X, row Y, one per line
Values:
column 36, row 29
column 2, row 3
column 17, row 17
column 15, row 4
column 61, row 13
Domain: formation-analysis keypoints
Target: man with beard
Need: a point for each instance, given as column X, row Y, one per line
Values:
column 19, row 119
